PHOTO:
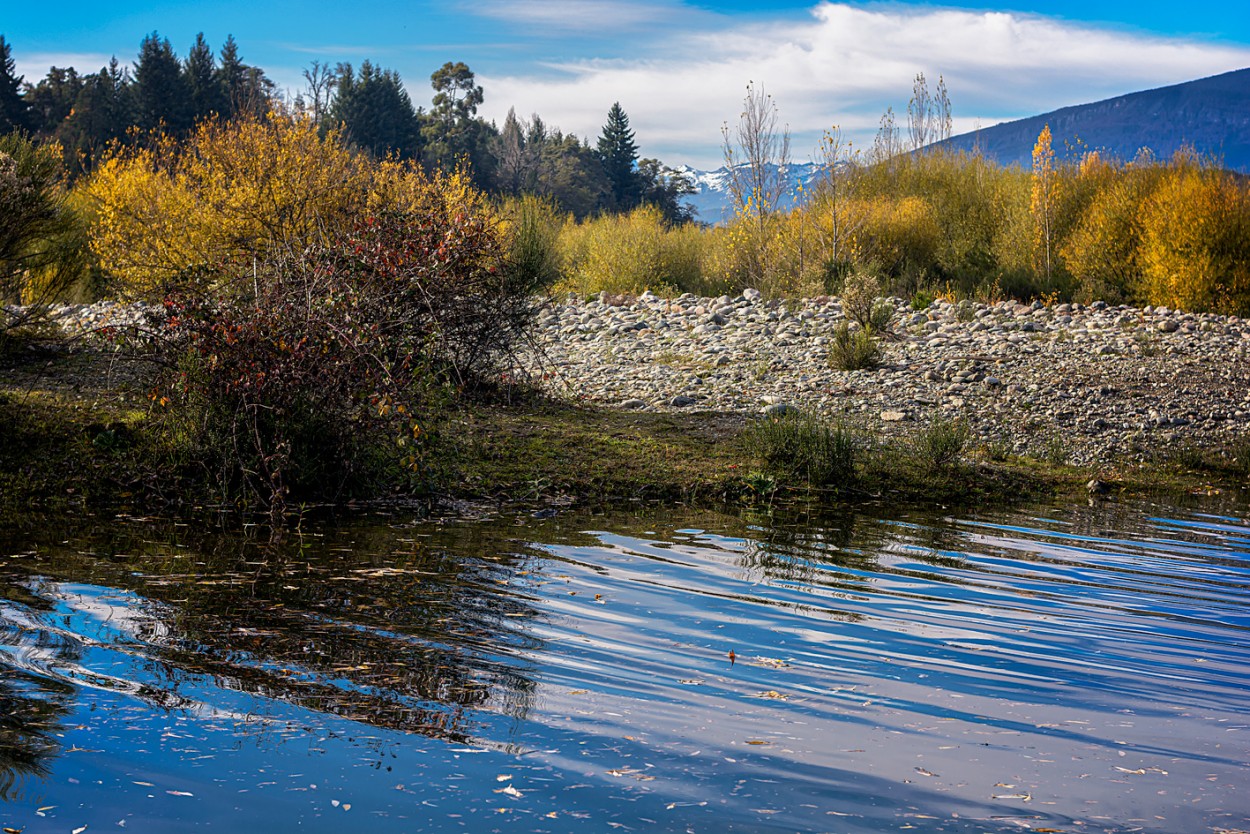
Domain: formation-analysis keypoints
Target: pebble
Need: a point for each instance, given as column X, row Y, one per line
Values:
column 1107, row 381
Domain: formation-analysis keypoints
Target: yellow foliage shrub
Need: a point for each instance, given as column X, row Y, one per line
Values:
column 630, row 253
column 1196, row 242
column 232, row 188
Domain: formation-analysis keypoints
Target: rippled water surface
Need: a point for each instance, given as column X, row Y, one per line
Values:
column 1062, row 669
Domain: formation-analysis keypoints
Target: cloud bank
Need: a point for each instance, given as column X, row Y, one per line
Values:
column 842, row 64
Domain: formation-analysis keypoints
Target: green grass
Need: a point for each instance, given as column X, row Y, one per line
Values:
column 804, row 450
column 853, row 350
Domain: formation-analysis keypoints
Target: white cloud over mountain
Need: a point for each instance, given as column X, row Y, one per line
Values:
column 684, row 72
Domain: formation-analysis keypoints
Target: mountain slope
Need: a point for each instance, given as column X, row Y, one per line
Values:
column 1211, row 114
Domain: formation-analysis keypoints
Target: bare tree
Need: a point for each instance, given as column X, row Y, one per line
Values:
column 887, row 143
column 928, row 114
column 321, row 82
column 831, row 192
column 757, row 156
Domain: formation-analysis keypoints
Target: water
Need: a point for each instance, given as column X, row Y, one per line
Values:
column 1058, row 669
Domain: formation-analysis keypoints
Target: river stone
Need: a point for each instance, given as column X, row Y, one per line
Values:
column 779, row 410
column 893, row 416
column 634, row 403
column 1169, row 326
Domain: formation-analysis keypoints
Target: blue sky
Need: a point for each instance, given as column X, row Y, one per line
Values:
column 680, row 68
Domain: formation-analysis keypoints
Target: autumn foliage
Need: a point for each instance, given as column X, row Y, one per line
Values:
column 316, row 299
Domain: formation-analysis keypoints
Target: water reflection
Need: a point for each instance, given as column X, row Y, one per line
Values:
column 372, row 623
column 1058, row 668
column 32, row 706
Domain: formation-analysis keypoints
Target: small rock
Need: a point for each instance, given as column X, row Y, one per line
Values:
column 779, row 410
column 751, row 295
column 893, row 416
column 681, row 401
column 1098, row 487
column 1169, row 326
column 634, row 403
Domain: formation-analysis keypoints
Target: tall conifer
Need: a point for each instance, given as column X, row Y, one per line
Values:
column 618, row 152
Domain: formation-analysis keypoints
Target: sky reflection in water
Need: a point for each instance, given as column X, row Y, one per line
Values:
column 1081, row 668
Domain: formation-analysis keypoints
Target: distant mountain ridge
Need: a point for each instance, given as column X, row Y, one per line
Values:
column 713, row 201
column 1211, row 115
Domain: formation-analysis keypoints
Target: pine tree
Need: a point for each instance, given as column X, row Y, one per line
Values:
column 208, row 96
column 452, row 133
column 14, row 112
column 51, row 101
column 618, row 153
column 102, row 113
column 375, row 110
column 246, row 89
column 161, row 91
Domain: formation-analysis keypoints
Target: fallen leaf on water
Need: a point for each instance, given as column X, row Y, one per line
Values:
column 179, row 793
column 774, row 694
column 1023, row 797
column 924, row 772
column 510, row 791
column 732, row 657
column 13, row 830
column 80, row 830
column 578, row 691
column 503, row 777
column 756, row 741
column 1138, row 772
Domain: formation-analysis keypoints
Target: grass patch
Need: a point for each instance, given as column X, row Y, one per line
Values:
column 803, row 449
column 854, row 350
column 939, row 447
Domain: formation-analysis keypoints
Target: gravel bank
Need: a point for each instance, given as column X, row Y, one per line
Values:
column 1083, row 383
column 1087, row 384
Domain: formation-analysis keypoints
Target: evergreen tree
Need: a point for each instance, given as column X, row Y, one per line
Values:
column 375, row 110
column 51, row 101
column 618, row 153
column 161, row 91
column 102, row 113
column 664, row 188
column 14, row 113
column 208, row 96
column 453, row 134
column 245, row 89
column 569, row 172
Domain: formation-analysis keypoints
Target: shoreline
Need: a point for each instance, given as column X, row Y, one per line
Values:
column 74, row 412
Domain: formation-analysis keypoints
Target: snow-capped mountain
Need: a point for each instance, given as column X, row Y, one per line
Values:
column 713, row 201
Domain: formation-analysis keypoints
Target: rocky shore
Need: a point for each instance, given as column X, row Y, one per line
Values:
column 1084, row 384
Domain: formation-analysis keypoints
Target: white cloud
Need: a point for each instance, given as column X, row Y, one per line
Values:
column 846, row 64
column 35, row 65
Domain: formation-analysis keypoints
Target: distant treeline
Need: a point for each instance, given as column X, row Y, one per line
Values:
column 87, row 114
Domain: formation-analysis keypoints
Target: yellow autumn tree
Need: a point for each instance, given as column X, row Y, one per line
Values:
column 1196, row 239
column 1045, row 187
column 232, row 188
